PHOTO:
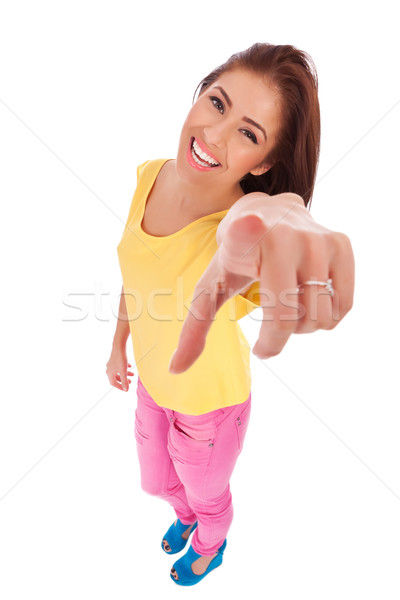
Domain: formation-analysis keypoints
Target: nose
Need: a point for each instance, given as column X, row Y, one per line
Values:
column 215, row 135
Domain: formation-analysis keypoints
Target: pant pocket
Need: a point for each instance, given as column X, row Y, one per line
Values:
column 187, row 450
column 241, row 422
column 200, row 437
column 140, row 434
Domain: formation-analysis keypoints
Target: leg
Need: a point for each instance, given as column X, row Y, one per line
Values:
column 158, row 475
column 204, row 450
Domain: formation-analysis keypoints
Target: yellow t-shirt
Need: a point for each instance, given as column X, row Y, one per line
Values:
column 159, row 275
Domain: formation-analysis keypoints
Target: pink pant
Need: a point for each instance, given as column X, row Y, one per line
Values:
column 188, row 460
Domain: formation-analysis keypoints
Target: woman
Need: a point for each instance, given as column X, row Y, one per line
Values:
column 222, row 229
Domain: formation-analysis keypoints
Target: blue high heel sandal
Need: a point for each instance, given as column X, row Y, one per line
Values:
column 183, row 566
column 174, row 538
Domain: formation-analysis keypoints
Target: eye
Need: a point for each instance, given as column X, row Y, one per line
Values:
column 217, row 103
column 249, row 134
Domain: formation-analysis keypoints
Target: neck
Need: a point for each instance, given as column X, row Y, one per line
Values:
column 199, row 200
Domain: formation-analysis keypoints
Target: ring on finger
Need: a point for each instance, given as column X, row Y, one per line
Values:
column 327, row 285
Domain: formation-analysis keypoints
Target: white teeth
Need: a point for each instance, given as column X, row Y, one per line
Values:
column 202, row 155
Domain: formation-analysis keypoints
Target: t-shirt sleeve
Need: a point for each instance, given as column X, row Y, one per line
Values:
column 132, row 208
column 253, row 293
column 248, row 300
column 140, row 169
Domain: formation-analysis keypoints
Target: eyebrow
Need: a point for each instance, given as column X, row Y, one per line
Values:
column 229, row 103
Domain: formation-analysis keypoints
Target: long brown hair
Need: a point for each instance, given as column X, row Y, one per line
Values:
column 296, row 152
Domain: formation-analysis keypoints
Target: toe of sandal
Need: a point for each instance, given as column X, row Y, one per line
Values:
column 173, row 537
column 182, row 568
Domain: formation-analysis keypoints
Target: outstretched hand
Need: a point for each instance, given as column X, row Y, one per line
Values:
column 273, row 240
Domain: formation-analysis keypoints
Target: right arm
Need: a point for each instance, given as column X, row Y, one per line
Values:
column 117, row 366
column 122, row 331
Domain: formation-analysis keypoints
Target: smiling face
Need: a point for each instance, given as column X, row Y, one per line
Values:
column 229, row 131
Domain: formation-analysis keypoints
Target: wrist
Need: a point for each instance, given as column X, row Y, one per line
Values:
column 119, row 343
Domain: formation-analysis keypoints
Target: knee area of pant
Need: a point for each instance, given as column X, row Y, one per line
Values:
column 151, row 488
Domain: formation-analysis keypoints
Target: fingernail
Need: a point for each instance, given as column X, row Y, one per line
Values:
column 252, row 213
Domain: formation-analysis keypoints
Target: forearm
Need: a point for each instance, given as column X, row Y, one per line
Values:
column 122, row 331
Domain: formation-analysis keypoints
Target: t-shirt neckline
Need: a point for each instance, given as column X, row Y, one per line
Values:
column 147, row 193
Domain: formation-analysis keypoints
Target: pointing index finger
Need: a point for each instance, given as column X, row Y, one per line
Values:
column 194, row 332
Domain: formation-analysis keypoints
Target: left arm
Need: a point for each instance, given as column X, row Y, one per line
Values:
column 273, row 240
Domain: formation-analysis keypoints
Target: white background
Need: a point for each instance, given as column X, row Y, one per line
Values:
column 88, row 90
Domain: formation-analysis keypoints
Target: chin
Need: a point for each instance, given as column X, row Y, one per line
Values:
column 184, row 170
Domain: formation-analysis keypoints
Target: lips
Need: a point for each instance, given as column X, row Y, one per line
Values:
column 199, row 157
column 202, row 152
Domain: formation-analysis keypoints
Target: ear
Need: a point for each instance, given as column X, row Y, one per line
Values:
column 261, row 170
